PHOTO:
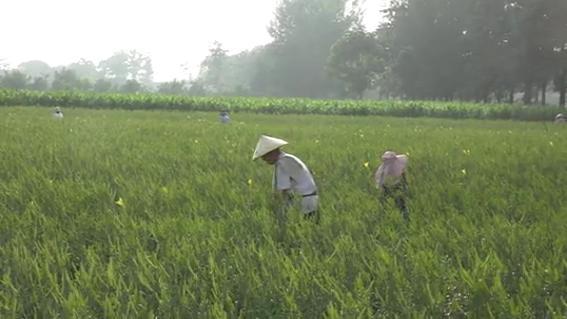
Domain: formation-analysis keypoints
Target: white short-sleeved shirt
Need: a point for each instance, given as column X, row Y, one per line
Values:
column 291, row 173
column 224, row 118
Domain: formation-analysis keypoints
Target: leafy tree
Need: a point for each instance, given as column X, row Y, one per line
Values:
column 197, row 89
column 115, row 68
column 559, row 43
column 425, row 43
column 14, row 79
column 173, row 87
column 40, row 83
column 211, row 74
column 356, row 59
column 65, row 79
column 304, row 32
column 102, row 85
column 35, row 68
column 123, row 66
column 131, row 86
column 489, row 57
column 85, row 69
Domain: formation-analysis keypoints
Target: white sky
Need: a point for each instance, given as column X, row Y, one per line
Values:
column 171, row 32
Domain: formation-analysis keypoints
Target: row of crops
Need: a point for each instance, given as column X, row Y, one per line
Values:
column 148, row 101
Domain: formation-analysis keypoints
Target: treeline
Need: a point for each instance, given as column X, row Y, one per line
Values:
column 124, row 72
column 471, row 50
column 152, row 101
column 478, row 50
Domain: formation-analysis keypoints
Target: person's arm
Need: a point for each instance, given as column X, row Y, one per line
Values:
column 282, row 187
column 379, row 178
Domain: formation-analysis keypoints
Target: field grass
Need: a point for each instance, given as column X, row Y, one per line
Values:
column 146, row 214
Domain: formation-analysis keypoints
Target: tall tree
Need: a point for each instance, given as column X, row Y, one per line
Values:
column 65, row 79
column 173, row 87
column 131, row 65
column 356, row 59
column 303, row 33
column 211, row 74
column 14, row 79
column 85, row 69
column 531, row 28
column 35, row 68
column 102, row 85
column 424, row 41
column 131, row 86
column 559, row 39
column 489, row 57
column 39, row 83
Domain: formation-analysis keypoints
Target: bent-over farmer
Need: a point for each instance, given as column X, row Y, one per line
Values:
column 224, row 118
column 57, row 113
column 560, row 118
column 291, row 176
column 391, row 180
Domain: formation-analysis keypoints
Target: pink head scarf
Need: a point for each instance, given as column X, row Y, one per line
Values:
column 392, row 165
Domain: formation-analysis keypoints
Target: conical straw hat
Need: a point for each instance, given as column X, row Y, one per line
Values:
column 267, row 144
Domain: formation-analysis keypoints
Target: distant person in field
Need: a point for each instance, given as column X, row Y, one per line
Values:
column 224, row 118
column 57, row 113
column 291, row 177
column 561, row 118
column 390, row 178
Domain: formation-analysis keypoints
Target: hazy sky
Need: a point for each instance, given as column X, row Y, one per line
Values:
column 171, row 32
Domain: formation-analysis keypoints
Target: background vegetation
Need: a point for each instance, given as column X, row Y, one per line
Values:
column 152, row 101
column 472, row 50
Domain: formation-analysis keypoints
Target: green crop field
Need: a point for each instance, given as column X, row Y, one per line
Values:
column 398, row 108
column 162, row 214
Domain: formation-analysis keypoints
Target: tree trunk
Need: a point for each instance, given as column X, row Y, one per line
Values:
column 562, row 87
column 543, row 92
column 511, row 97
column 527, row 99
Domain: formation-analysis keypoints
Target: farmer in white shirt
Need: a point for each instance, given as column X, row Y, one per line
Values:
column 560, row 118
column 291, row 176
column 391, row 180
column 224, row 118
column 57, row 113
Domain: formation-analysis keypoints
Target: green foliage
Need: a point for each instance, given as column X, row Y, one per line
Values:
column 173, row 87
column 131, row 65
column 131, row 86
column 35, row 68
column 474, row 49
column 85, row 69
column 304, row 32
column 40, row 83
column 278, row 105
column 14, row 80
column 356, row 59
column 213, row 69
column 102, row 85
column 67, row 79
column 135, row 214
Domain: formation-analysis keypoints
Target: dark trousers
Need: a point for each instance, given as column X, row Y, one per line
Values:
column 312, row 216
column 398, row 192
